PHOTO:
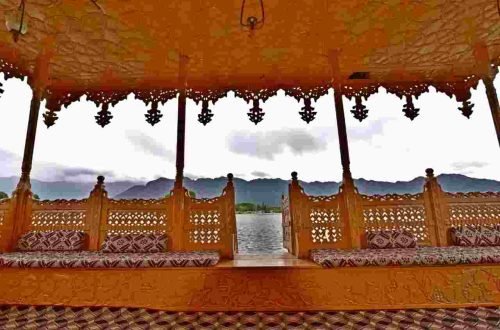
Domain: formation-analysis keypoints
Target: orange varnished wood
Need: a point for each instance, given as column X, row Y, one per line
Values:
column 204, row 224
column 256, row 288
column 329, row 222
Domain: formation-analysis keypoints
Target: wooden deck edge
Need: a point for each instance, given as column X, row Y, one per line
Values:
column 256, row 289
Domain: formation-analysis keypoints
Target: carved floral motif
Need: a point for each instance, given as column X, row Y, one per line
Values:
column 263, row 289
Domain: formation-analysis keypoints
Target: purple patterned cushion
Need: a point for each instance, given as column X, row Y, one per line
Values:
column 56, row 240
column 135, row 243
column 391, row 239
column 449, row 255
column 88, row 259
column 465, row 236
column 475, row 236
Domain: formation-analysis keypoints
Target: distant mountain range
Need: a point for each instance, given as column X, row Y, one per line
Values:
column 259, row 191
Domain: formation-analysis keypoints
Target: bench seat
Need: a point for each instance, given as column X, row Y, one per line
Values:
column 449, row 255
column 88, row 259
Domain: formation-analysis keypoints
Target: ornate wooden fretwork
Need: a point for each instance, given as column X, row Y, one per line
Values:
column 155, row 97
column 10, row 70
column 358, row 92
column 49, row 118
column 55, row 100
column 105, row 99
column 359, row 110
column 307, row 114
column 256, row 114
column 153, row 115
column 409, row 108
column 466, row 108
column 461, row 90
column 205, row 97
column 408, row 91
column 104, row 116
column 307, row 94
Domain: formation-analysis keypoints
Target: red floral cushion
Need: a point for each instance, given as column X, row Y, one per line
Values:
column 475, row 236
column 135, row 243
column 57, row 240
column 391, row 239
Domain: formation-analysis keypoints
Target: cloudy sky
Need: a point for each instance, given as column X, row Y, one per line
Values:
column 385, row 146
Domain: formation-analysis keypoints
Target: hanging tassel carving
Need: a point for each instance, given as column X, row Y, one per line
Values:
column 49, row 118
column 359, row 110
column 409, row 108
column 307, row 114
column 103, row 117
column 154, row 115
column 466, row 108
column 206, row 114
column 256, row 114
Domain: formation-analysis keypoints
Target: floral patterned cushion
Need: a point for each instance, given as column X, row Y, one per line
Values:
column 450, row 255
column 475, row 236
column 135, row 243
column 57, row 240
column 88, row 259
column 391, row 239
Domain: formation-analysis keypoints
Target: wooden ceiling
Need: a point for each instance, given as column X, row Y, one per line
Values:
column 129, row 45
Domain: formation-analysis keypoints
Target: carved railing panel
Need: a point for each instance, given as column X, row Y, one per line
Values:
column 205, row 223
column 137, row 216
column 321, row 220
column 326, row 226
column 472, row 209
column 59, row 214
column 394, row 211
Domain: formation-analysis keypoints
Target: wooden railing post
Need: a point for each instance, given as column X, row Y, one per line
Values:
column 96, row 200
column 231, row 239
column 350, row 212
column 295, row 205
column 433, row 196
column 179, row 218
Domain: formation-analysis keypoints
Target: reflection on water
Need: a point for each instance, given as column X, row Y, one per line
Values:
column 259, row 234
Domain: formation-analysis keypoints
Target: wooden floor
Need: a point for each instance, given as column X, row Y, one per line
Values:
column 284, row 260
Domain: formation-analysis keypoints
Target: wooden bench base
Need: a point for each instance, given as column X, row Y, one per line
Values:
column 256, row 289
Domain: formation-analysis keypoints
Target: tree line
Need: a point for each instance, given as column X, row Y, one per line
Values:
column 253, row 208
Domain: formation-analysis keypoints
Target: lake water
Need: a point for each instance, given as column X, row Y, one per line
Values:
column 259, row 234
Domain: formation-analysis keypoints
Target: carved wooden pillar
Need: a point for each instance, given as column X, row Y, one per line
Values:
column 181, row 135
column 436, row 220
column 181, row 123
column 179, row 193
column 96, row 201
column 342, row 133
column 22, row 195
column 483, row 65
column 231, row 239
column 494, row 106
column 350, row 203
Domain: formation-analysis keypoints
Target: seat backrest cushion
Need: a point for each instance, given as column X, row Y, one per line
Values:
column 56, row 240
column 135, row 243
column 391, row 239
column 475, row 236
